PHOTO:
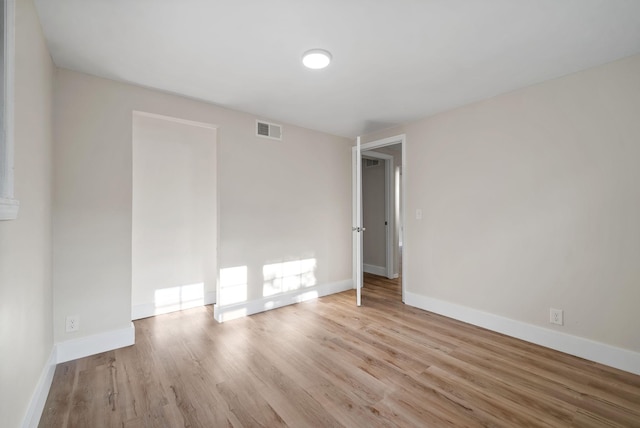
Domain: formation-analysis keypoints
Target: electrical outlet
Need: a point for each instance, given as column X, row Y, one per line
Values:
column 556, row 316
column 73, row 323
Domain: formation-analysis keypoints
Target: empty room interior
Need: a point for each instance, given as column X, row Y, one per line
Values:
column 320, row 213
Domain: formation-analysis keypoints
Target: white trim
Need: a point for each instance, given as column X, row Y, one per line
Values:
column 143, row 310
column 8, row 205
column 95, row 344
column 358, row 225
column 210, row 298
column 376, row 270
column 401, row 138
column 9, row 209
column 239, row 310
column 146, row 310
column 602, row 353
column 40, row 394
column 356, row 220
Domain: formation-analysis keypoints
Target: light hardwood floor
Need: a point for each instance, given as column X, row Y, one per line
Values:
column 328, row 363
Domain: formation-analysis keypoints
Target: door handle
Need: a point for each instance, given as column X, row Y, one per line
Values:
column 358, row 229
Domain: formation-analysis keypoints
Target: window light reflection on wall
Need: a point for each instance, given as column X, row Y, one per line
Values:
column 288, row 276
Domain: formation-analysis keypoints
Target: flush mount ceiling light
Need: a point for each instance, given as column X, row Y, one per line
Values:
column 316, row 58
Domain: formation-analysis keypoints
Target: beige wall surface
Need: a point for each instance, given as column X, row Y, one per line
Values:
column 278, row 200
column 531, row 201
column 26, row 336
column 174, row 214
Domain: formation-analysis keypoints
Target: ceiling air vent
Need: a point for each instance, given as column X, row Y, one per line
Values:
column 370, row 163
column 268, row 130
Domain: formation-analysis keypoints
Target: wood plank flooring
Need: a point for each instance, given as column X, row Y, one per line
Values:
column 326, row 363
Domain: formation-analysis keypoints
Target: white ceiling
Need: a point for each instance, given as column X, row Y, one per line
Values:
column 394, row 61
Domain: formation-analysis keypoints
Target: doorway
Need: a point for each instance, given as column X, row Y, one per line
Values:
column 378, row 196
column 174, row 215
column 381, row 241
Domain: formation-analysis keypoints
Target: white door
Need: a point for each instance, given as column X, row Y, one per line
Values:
column 357, row 228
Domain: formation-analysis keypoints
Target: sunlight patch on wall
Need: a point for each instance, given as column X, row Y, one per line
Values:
column 288, row 276
column 233, row 285
column 178, row 298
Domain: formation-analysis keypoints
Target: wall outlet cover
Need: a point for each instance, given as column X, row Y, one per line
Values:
column 556, row 316
column 72, row 323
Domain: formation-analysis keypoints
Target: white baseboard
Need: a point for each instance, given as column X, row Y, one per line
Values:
column 146, row 310
column 375, row 270
column 598, row 352
column 90, row 345
column 143, row 310
column 39, row 397
column 238, row 310
column 210, row 298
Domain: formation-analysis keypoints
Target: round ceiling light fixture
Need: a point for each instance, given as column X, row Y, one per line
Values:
column 316, row 59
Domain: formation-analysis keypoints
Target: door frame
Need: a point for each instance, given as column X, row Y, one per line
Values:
column 397, row 139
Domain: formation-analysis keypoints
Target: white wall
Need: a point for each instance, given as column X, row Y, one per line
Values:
column 373, row 217
column 531, row 201
column 174, row 215
column 278, row 201
column 26, row 337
